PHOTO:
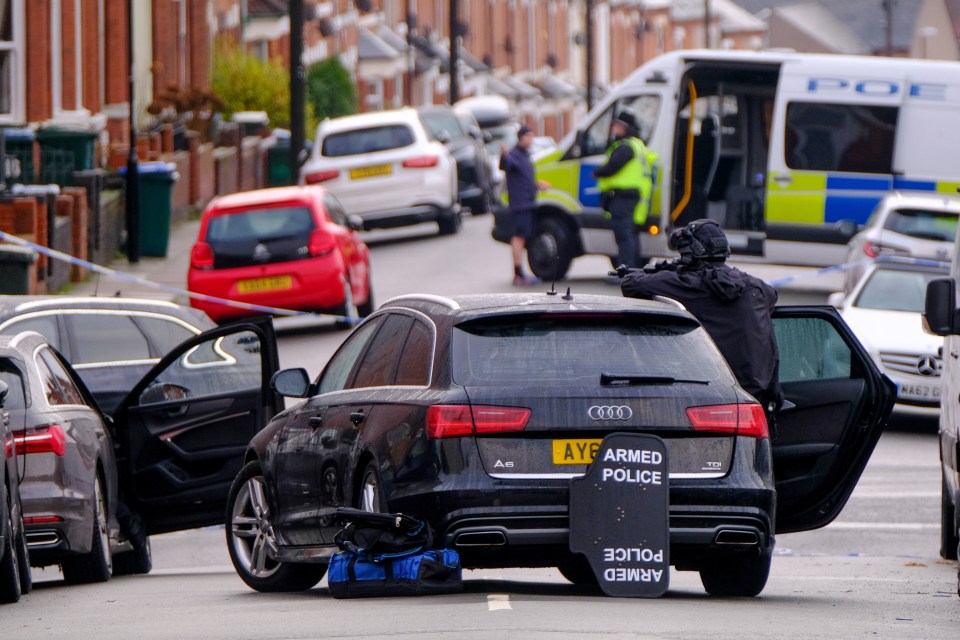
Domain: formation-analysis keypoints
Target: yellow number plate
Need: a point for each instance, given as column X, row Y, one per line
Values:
column 275, row 283
column 370, row 172
column 575, row 451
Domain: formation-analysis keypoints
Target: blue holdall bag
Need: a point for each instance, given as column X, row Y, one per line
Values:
column 389, row 555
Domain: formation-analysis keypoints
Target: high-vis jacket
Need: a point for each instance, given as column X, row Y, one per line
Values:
column 635, row 174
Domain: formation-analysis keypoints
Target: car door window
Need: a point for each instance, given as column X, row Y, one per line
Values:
column 105, row 337
column 335, row 210
column 417, row 358
column 337, row 371
column 829, row 359
column 45, row 325
column 219, row 366
column 59, row 386
column 163, row 335
column 379, row 364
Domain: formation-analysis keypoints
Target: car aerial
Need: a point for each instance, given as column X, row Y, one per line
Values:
column 15, row 576
column 111, row 342
column 884, row 310
column 475, row 413
column 387, row 168
column 94, row 488
column 910, row 225
column 475, row 186
column 291, row 248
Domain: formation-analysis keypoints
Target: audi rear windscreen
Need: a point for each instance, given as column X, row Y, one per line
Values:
column 550, row 350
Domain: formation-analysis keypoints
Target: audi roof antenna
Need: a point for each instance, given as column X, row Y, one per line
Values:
column 568, row 295
column 553, row 280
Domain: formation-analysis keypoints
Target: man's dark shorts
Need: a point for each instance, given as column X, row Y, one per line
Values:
column 524, row 222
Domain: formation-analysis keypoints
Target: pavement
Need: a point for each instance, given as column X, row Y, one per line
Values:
column 167, row 273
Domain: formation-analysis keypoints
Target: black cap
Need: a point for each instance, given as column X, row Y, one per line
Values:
column 524, row 130
column 629, row 122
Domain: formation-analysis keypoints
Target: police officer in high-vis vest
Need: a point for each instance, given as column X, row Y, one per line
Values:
column 626, row 183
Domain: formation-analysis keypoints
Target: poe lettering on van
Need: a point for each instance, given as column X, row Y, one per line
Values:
column 877, row 88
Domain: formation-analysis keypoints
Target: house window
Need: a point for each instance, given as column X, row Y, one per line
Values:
column 12, row 73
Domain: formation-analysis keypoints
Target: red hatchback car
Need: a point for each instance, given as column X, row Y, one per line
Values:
column 289, row 247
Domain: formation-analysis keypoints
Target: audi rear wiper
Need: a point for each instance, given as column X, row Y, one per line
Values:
column 627, row 379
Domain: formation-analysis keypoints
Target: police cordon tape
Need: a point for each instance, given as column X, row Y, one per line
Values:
column 782, row 282
column 64, row 257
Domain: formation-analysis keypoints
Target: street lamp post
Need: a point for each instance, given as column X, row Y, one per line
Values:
column 132, row 184
column 297, row 89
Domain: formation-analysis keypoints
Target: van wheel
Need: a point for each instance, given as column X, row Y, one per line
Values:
column 550, row 251
column 948, row 523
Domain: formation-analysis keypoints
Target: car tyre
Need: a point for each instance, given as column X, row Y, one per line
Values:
column 368, row 305
column 449, row 222
column 10, row 588
column 550, row 250
column 139, row 561
column 348, row 311
column 949, row 539
column 23, row 560
column 252, row 543
column 370, row 497
column 97, row 564
column 579, row 572
column 741, row 575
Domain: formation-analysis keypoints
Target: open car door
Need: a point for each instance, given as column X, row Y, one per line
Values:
column 183, row 429
column 841, row 404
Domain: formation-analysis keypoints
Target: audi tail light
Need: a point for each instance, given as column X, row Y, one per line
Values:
column 48, row 439
column 421, row 162
column 735, row 419
column 41, row 519
column 201, row 256
column 456, row 420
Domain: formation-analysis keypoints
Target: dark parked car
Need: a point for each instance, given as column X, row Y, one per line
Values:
column 15, row 577
column 168, row 455
column 475, row 184
column 111, row 342
column 475, row 412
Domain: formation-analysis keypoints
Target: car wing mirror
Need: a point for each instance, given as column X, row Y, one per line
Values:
column 355, row 222
column 444, row 136
column 940, row 307
column 292, row 383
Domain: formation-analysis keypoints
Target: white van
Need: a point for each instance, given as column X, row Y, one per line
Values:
column 789, row 151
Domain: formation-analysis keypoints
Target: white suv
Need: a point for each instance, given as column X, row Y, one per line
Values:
column 386, row 168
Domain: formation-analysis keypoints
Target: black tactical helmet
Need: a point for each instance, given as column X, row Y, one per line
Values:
column 701, row 240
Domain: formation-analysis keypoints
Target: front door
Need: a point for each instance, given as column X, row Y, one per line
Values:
column 183, row 429
column 838, row 405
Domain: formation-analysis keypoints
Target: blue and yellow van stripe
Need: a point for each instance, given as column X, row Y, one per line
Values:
column 819, row 198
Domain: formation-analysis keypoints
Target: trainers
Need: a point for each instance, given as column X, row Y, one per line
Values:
column 525, row 281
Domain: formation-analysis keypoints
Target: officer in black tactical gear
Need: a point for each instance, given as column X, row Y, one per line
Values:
column 734, row 307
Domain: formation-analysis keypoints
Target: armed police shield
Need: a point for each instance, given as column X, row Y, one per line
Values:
column 619, row 516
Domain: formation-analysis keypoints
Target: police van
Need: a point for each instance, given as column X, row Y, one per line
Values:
column 790, row 152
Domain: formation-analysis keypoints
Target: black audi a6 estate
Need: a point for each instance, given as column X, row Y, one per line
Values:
column 477, row 412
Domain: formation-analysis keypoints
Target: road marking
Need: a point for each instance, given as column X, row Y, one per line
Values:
column 498, row 601
column 876, row 526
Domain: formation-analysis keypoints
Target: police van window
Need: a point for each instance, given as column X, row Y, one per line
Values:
column 646, row 109
column 840, row 137
column 596, row 138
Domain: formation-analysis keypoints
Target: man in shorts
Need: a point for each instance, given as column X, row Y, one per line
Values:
column 522, row 187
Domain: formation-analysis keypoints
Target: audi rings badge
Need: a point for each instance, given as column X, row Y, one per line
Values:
column 607, row 412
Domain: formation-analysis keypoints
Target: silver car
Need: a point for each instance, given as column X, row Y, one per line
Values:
column 907, row 225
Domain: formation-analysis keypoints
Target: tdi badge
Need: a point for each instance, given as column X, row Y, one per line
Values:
column 619, row 516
